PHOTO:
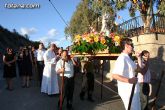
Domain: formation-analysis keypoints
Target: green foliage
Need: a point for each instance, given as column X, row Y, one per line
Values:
column 12, row 39
column 88, row 13
column 120, row 5
column 132, row 10
column 161, row 7
column 81, row 19
column 26, row 36
column 86, row 47
column 114, row 49
column 36, row 44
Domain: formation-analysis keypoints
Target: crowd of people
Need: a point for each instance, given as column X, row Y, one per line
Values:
column 54, row 64
column 44, row 65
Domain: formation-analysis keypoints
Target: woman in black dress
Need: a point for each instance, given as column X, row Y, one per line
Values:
column 20, row 61
column 34, row 63
column 27, row 67
column 9, row 60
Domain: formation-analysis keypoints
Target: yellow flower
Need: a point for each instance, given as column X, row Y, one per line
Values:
column 88, row 39
column 96, row 38
column 135, row 1
column 91, row 35
column 117, row 39
column 77, row 38
column 102, row 40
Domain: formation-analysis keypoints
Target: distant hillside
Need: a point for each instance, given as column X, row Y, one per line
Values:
column 11, row 39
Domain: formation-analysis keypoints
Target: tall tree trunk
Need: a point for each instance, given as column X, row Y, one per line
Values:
column 147, row 18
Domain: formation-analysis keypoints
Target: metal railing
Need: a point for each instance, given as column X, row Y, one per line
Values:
column 135, row 26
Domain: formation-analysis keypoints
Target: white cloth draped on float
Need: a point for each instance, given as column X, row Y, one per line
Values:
column 50, row 80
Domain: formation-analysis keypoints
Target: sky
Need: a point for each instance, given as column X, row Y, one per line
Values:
column 43, row 23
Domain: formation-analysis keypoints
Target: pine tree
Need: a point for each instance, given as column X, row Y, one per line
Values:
column 83, row 18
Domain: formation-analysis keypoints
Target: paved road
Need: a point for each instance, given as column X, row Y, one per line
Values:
column 32, row 99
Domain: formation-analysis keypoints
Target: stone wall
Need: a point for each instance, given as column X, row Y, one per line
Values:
column 156, row 46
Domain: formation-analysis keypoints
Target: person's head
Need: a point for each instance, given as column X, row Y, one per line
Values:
column 41, row 46
column 20, row 48
column 29, row 47
column 69, row 48
column 33, row 48
column 60, row 51
column 9, row 50
column 127, row 45
column 26, row 51
column 145, row 54
column 53, row 47
column 64, row 54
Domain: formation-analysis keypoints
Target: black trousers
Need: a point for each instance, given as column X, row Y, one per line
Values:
column 40, row 67
column 68, row 89
column 144, row 92
column 87, row 84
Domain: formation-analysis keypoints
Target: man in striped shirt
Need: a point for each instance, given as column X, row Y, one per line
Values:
column 144, row 79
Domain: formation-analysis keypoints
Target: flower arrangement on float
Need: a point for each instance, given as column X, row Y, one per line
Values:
column 95, row 42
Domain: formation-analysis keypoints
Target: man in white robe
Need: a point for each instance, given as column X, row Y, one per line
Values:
column 50, row 80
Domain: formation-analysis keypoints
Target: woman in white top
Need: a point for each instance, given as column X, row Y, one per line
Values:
column 124, row 72
column 49, row 79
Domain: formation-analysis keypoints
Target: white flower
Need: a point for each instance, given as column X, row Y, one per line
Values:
column 116, row 44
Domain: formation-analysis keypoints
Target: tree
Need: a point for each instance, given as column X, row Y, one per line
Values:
column 161, row 7
column 145, row 7
column 36, row 44
column 11, row 39
column 107, row 10
column 80, row 20
column 26, row 36
column 88, row 15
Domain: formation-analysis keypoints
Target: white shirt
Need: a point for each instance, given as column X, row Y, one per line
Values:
column 40, row 54
column 68, row 68
column 125, row 66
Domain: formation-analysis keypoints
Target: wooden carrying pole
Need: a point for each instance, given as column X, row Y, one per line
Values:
column 132, row 92
column 62, row 86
